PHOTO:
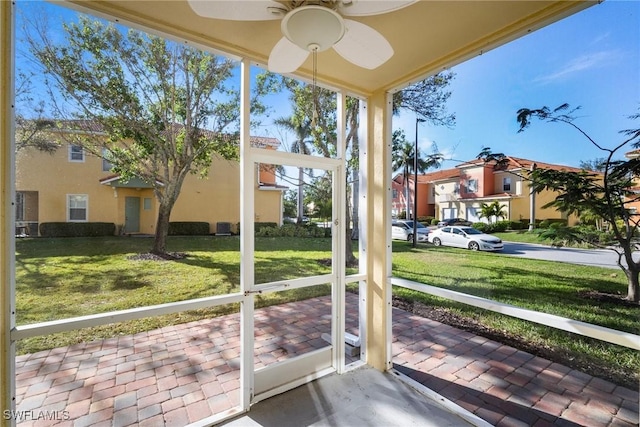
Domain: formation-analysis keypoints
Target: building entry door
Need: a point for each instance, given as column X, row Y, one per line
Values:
column 132, row 214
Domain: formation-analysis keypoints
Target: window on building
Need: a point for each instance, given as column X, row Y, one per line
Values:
column 106, row 164
column 77, row 207
column 395, row 193
column 472, row 186
column 506, row 183
column 147, row 204
column 76, row 153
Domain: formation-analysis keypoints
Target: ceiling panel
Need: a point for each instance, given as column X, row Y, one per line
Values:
column 426, row 36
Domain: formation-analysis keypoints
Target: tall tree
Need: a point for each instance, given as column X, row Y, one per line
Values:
column 319, row 106
column 319, row 196
column 606, row 195
column 31, row 125
column 428, row 99
column 595, row 165
column 164, row 106
column 403, row 160
column 290, row 203
column 301, row 145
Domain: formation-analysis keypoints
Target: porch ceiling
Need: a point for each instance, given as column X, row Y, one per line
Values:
column 427, row 36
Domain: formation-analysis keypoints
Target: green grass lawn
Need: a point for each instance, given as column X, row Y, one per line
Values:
column 546, row 286
column 69, row 277
column 59, row 278
column 525, row 236
column 522, row 236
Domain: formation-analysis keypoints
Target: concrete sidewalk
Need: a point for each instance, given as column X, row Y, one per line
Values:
column 181, row 374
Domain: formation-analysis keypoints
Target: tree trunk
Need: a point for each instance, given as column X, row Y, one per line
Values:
column 300, row 195
column 355, row 221
column 633, row 293
column 162, row 229
column 407, row 207
column 349, row 259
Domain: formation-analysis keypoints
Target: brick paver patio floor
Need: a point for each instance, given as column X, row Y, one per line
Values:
column 183, row 373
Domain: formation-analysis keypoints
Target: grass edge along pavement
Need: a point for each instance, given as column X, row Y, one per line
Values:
column 49, row 286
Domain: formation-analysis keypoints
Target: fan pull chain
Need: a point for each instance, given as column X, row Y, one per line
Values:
column 314, row 117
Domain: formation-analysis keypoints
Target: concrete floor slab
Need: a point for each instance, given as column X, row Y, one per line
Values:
column 362, row 397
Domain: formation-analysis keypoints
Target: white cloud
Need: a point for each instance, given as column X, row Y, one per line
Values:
column 582, row 63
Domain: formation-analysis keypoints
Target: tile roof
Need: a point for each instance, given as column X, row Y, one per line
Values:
column 514, row 163
column 633, row 154
column 440, row 175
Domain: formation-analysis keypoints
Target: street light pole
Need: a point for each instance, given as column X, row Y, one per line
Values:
column 415, row 185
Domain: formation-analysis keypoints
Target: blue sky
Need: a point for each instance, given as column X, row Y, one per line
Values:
column 591, row 59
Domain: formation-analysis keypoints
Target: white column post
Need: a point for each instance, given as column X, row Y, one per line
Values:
column 247, row 244
column 339, row 183
column 362, row 224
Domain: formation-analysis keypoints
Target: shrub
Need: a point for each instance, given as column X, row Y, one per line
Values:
column 188, row 228
column 319, row 232
column 434, row 221
column 500, row 226
column 288, row 230
column 259, row 225
column 77, row 229
column 291, row 230
column 427, row 220
column 517, row 225
column 547, row 222
column 480, row 226
column 496, row 227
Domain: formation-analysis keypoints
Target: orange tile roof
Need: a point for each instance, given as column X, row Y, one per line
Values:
column 520, row 163
column 513, row 163
column 439, row 175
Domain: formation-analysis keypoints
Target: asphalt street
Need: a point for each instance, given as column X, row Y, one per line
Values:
column 596, row 257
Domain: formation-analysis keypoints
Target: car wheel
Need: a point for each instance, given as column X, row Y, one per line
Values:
column 410, row 238
column 436, row 241
column 474, row 246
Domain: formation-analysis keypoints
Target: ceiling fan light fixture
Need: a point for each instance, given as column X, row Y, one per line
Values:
column 313, row 27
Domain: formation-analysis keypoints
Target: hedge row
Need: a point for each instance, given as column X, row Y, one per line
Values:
column 292, row 230
column 500, row 226
column 77, row 229
column 188, row 228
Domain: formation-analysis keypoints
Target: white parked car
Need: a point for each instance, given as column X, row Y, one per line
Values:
column 465, row 237
column 402, row 229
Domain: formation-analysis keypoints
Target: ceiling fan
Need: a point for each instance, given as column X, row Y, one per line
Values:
column 312, row 26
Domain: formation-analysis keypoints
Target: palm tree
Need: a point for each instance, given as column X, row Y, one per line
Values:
column 301, row 145
column 403, row 160
column 490, row 210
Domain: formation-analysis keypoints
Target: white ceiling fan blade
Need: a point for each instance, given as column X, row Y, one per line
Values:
column 373, row 7
column 239, row 10
column 363, row 46
column 286, row 57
